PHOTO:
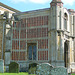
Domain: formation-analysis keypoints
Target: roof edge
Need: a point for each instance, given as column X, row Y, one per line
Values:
column 31, row 11
column 8, row 7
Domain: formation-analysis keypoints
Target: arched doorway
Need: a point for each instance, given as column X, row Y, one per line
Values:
column 66, row 53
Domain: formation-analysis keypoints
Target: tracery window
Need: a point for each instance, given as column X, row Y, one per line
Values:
column 74, row 55
column 65, row 21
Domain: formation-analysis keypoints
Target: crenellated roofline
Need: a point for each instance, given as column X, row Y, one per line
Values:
column 56, row 2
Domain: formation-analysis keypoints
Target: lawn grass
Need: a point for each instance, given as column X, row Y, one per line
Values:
column 73, row 74
column 21, row 73
column 14, row 73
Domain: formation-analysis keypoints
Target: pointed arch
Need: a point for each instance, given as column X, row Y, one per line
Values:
column 65, row 21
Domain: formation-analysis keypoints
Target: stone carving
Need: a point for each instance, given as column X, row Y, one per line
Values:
column 1, row 66
column 43, row 69
column 59, row 71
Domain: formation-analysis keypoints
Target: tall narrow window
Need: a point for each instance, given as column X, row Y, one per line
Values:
column 74, row 55
column 32, row 51
column 73, row 50
column 65, row 21
column 73, row 17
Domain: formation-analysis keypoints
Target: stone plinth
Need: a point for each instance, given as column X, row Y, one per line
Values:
column 1, row 66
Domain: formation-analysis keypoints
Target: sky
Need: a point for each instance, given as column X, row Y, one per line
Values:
column 28, row 5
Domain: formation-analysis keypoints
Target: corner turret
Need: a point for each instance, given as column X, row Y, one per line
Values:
column 56, row 2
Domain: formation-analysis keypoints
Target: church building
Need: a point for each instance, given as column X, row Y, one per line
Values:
column 42, row 36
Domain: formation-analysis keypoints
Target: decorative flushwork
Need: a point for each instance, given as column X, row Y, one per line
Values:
column 47, row 69
column 59, row 71
column 1, row 66
column 43, row 69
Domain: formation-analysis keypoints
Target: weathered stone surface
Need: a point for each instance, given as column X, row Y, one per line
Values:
column 7, row 58
column 1, row 66
column 59, row 71
column 43, row 69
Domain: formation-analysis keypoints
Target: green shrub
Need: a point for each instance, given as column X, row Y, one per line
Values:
column 13, row 67
column 4, row 69
column 32, row 68
column 32, row 65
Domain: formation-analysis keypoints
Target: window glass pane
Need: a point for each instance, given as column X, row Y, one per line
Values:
column 34, row 52
column 30, row 52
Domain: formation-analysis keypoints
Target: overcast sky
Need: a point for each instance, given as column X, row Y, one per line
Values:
column 27, row 5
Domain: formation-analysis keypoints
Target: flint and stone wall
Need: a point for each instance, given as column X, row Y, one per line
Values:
column 1, row 66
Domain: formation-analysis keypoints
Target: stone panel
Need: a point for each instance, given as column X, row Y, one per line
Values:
column 1, row 66
column 0, row 54
column 7, row 58
column 59, row 71
column 1, row 37
column 43, row 69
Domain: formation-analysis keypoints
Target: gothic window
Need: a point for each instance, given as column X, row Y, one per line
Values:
column 74, row 55
column 73, row 52
column 73, row 17
column 65, row 21
column 32, row 51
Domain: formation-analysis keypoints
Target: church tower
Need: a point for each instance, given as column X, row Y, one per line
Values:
column 56, row 33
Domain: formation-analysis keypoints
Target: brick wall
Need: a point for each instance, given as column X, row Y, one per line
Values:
column 29, row 30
